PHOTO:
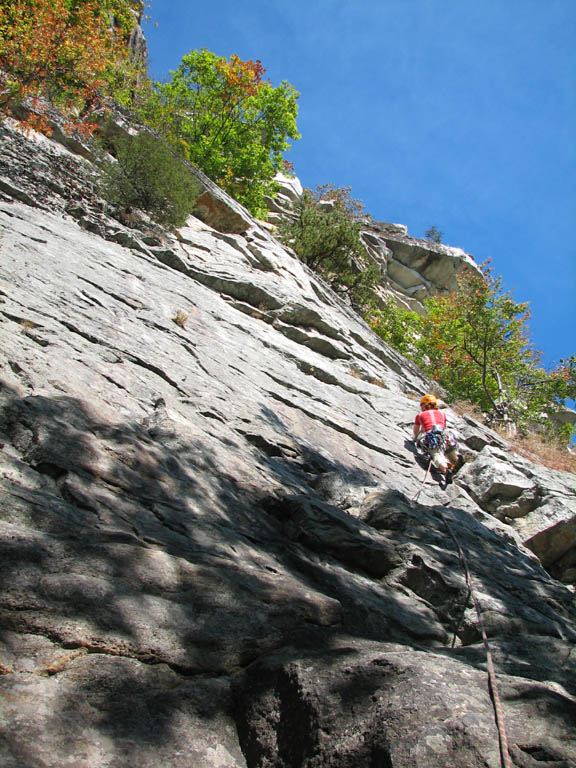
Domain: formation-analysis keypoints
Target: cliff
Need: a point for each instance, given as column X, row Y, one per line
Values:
column 217, row 545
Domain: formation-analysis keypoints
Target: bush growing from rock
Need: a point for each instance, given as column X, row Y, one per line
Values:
column 147, row 174
column 397, row 326
column 324, row 231
column 434, row 235
column 475, row 343
column 228, row 121
column 180, row 318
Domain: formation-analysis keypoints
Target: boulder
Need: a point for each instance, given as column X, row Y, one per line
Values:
column 221, row 212
column 494, row 484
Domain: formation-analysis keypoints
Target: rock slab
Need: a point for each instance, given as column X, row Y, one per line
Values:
column 208, row 538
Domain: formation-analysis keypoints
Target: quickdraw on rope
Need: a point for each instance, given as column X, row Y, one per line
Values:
column 496, row 701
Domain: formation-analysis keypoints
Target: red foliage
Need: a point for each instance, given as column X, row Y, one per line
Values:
column 50, row 49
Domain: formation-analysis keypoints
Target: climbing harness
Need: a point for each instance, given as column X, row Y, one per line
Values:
column 435, row 439
column 495, row 694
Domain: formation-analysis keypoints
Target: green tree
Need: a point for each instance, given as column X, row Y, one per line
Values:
column 147, row 174
column 397, row 326
column 228, row 121
column 324, row 231
column 475, row 342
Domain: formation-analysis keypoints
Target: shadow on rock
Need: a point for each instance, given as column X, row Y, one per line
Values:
column 134, row 556
column 144, row 568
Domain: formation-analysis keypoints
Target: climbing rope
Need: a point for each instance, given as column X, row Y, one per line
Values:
column 493, row 685
column 419, row 491
column 495, row 694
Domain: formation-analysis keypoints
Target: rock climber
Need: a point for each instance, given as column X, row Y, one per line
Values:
column 432, row 437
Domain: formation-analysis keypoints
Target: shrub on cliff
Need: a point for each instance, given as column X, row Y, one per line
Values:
column 475, row 342
column 147, row 174
column 399, row 327
column 434, row 235
column 324, row 233
column 228, row 121
column 66, row 51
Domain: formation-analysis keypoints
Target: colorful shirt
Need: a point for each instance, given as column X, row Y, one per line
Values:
column 427, row 419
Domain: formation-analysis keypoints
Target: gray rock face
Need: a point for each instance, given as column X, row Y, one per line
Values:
column 363, row 705
column 208, row 550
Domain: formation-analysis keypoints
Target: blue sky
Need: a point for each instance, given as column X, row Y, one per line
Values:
column 454, row 113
